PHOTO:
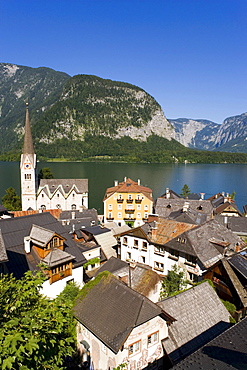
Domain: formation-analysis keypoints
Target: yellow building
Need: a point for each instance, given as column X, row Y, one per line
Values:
column 128, row 203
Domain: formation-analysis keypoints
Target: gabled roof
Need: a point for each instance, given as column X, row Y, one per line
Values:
column 200, row 316
column 56, row 256
column 203, row 241
column 227, row 207
column 111, row 310
column 239, row 262
column 15, row 229
column 190, row 216
column 129, row 186
column 51, row 186
column 164, row 207
column 228, row 351
column 41, row 236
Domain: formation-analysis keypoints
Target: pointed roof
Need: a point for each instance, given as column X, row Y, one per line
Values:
column 129, row 186
column 28, row 141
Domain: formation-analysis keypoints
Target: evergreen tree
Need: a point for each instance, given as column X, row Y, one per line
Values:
column 11, row 200
column 45, row 173
column 185, row 191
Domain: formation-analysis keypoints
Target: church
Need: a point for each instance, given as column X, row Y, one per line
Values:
column 64, row 194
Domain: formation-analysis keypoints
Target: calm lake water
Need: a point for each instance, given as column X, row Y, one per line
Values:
column 205, row 178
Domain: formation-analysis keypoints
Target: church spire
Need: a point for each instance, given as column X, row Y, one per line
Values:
column 28, row 141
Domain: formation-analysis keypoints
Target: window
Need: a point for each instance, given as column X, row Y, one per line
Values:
column 190, row 259
column 27, row 176
column 129, row 196
column 138, row 215
column 138, row 197
column 159, row 266
column 142, row 259
column 144, row 245
column 57, row 195
column 145, row 215
column 128, row 256
column 146, row 207
column 119, row 196
column 159, row 250
column 109, row 215
column 119, row 215
column 119, row 206
column 138, row 207
column 43, row 207
column 153, row 338
column 125, row 240
column 135, row 348
column 73, row 207
column 42, row 195
column 135, row 243
column 109, row 206
column 173, row 254
column 55, row 242
column 58, row 206
column 129, row 206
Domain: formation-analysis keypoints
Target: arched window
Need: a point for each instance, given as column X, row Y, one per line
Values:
column 73, row 207
column 43, row 207
column 58, row 206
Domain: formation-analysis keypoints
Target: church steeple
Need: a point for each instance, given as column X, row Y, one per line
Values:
column 28, row 169
column 28, row 141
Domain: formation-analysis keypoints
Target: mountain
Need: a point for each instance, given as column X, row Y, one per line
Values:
column 64, row 107
column 195, row 133
column 90, row 105
column 41, row 87
column 232, row 135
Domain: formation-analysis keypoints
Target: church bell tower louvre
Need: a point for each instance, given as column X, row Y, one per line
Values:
column 28, row 169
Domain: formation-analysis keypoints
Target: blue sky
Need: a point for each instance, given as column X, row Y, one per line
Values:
column 190, row 55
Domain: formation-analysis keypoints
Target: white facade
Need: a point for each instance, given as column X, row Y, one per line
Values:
column 59, row 200
column 143, row 346
column 54, row 289
column 160, row 259
column 28, row 181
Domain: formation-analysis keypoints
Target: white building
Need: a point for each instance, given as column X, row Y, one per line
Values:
column 65, row 194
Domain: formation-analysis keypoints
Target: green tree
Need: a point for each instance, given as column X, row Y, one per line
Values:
column 185, row 191
column 11, row 200
column 45, row 173
column 36, row 333
column 173, row 282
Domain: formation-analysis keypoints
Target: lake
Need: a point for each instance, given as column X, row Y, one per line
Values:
column 205, row 178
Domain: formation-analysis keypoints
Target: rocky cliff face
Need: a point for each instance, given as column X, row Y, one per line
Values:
column 232, row 128
column 195, row 133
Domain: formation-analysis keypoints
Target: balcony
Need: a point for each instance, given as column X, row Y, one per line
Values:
column 130, row 210
column 129, row 200
column 129, row 218
column 119, row 200
column 110, row 218
column 138, row 201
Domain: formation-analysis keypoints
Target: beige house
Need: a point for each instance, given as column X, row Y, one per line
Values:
column 128, row 203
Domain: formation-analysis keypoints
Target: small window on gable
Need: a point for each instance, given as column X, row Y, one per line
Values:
column 153, row 338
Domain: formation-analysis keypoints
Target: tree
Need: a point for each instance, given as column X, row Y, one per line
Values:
column 35, row 332
column 173, row 282
column 11, row 200
column 45, row 173
column 185, row 191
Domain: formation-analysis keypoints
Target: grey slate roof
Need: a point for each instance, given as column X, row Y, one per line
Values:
column 3, row 253
column 164, row 207
column 111, row 309
column 15, row 229
column 66, row 185
column 200, row 316
column 226, row 352
column 40, row 235
column 239, row 262
column 190, row 216
column 209, row 242
column 57, row 256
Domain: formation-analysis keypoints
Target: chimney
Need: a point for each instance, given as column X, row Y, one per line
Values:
column 73, row 215
column 237, row 249
column 115, row 182
column 225, row 221
column 154, row 231
column 202, row 195
column 125, row 179
column 139, row 182
column 167, row 193
column 27, row 244
column 185, row 206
